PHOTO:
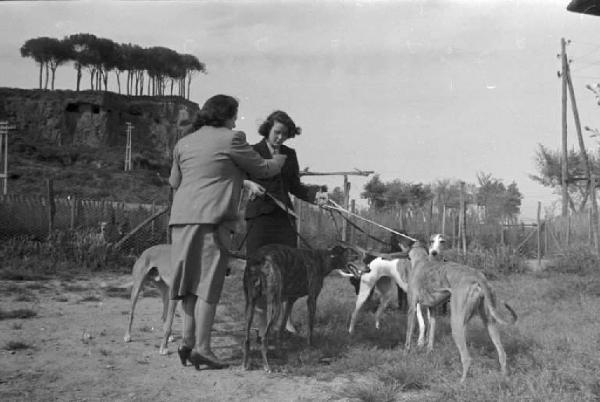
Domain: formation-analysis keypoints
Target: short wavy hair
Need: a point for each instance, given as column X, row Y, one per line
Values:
column 283, row 118
column 216, row 111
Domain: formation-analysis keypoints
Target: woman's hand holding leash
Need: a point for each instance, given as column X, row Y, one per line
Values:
column 254, row 189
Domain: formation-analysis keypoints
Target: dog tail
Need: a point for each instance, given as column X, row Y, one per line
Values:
column 489, row 301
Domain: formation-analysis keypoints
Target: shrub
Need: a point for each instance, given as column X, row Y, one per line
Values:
column 493, row 262
column 578, row 259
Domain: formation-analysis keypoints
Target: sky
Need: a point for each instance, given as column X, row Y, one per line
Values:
column 415, row 90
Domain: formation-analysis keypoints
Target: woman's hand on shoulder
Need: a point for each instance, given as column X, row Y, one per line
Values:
column 254, row 189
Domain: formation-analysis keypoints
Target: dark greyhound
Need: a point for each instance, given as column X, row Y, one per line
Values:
column 277, row 275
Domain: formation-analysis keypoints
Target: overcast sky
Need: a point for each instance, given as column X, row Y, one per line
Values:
column 414, row 90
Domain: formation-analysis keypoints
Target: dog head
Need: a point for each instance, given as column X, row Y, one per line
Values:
column 417, row 252
column 436, row 244
column 348, row 260
column 400, row 242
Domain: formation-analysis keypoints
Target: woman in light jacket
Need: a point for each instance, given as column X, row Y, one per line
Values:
column 209, row 166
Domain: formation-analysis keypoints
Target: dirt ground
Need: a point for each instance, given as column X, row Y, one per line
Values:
column 73, row 349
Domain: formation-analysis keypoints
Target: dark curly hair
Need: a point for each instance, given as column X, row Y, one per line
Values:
column 283, row 118
column 216, row 111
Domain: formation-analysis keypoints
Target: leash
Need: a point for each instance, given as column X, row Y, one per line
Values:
column 336, row 207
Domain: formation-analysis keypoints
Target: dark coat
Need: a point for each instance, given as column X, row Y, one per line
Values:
column 280, row 185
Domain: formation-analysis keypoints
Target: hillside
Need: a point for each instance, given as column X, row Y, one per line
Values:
column 78, row 140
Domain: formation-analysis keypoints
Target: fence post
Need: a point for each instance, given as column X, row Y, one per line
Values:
column 346, row 205
column 595, row 213
column 51, row 205
column 590, row 230
column 539, row 235
column 546, row 236
column 73, row 212
column 462, row 224
column 502, row 235
column 568, row 236
column 152, row 224
column 444, row 220
column 352, row 230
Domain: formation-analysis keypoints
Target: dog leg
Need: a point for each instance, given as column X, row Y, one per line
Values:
column 135, row 292
column 431, row 330
column 312, row 311
column 410, row 322
column 495, row 337
column 287, row 317
column 457, row 323
column 164, row 294
column 273, row 312
column 421, row 322
column 363, row 295
column 386, row 298
column 168, row 324
column 249, row 315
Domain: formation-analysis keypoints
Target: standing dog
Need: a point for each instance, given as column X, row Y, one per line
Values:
column 433, row 282
column 383, row 273
column 277, row 275
column 154, row 263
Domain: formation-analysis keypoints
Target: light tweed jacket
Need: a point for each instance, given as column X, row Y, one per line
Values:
column 208, row 170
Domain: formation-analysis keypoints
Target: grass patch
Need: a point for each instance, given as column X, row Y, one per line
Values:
column 18, row 313
column 26, row 297
column 371, row 392
column 16, row 345
column 90, row 298
column 75, row 288
column 124, row 293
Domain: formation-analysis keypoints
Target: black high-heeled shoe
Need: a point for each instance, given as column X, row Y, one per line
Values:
column 184, row 354
column 197, row 359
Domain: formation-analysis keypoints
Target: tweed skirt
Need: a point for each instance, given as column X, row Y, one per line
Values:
column 199, row 265
column 274, row 228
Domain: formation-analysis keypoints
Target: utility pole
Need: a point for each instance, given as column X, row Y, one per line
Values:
column 4, row 127
column 584, row 155
column 564, row 171
column 127, row 165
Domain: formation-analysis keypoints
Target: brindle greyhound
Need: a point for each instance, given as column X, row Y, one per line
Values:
column 433, row 282
column 278, row 275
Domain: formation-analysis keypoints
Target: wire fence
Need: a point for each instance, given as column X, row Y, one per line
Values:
column 137, row 226
column 108, row 221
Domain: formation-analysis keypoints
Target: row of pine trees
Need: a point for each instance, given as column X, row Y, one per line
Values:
column 154, row 71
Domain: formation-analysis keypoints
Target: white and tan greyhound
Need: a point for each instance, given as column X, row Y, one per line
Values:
column 380, row 268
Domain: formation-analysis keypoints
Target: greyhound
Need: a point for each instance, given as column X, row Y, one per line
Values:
column 380, row 268
column 385, row 271
column 277, row 275
column 154, row 263
column 433, row 282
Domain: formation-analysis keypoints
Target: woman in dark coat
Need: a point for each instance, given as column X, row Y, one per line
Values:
column 266, row 222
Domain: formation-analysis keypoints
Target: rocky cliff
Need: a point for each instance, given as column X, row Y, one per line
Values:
column 96, row 119
column 78, row 140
